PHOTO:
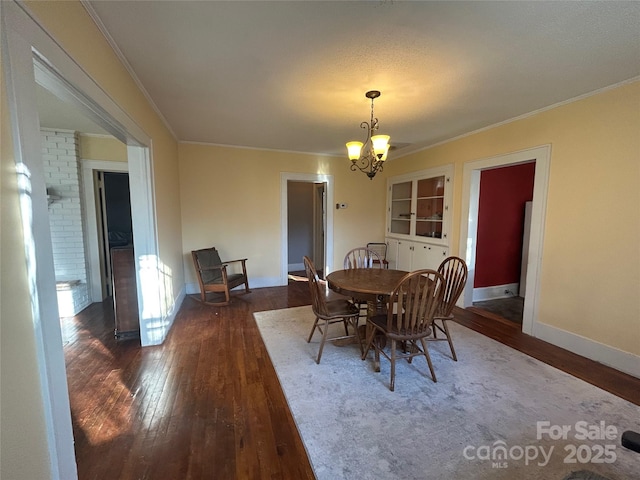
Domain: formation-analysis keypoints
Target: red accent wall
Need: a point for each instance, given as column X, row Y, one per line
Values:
column 503, row 193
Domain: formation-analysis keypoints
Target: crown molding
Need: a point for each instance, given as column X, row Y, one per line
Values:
column 114, row 46
column 416, row 149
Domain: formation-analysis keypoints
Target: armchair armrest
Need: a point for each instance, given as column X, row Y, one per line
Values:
column 240, row 260
column 232, row 261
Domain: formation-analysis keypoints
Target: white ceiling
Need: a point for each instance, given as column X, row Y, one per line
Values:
column 292, row 75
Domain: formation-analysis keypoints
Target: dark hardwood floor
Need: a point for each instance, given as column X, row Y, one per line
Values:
column 207, row 403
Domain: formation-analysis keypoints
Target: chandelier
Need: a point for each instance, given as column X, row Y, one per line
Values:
column 369, row 159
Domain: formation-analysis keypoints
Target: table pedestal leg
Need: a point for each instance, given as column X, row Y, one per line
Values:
column 375, row 308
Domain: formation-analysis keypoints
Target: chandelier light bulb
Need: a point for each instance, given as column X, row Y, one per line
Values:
column 354, row 149
column 384, row 155
column 380, row 144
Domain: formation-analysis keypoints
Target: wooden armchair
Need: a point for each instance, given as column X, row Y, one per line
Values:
column 214, row 277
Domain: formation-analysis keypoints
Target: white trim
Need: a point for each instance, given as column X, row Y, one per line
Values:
column 96, row 292
column 149, row 269
column 295, row 266
column 53, row 62
column 284, row 244
column 47, row 336
column 193, row 288
column 263, row 149
column 469, row 223
column 619, row 359
column 95, row 135
column 495, row 292
column 125, row 63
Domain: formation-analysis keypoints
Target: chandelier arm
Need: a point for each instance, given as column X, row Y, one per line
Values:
column 368, row 166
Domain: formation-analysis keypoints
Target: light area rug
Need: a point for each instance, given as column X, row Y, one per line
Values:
column 479, row 421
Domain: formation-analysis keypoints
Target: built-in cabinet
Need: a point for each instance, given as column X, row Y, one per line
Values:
column 418, row 218
column 409, row 256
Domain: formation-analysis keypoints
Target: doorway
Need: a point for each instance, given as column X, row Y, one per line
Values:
column 307, row 229
column 469, row 224
column 115, row 217
column 97, row 236
column 305, row 224
column 505, row 193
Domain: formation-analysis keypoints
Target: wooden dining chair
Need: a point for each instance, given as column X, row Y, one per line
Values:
column 381, row 249
column 417, row 296
column 455, row 272
column 362, row 257
column 329, row 311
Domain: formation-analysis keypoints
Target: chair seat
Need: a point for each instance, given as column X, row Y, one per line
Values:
column 380, row 321
column 232, row 278
column 341, row 307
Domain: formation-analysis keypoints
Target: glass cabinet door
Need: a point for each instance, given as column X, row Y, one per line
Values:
column 401, row 194
column 418, row 206
column 430, row 207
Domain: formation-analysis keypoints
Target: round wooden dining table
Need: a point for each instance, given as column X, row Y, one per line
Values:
column 373, row 285
column 365, row 283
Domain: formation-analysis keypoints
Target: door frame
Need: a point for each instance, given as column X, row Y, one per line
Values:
column 285, row 177
column 469, row 223
column 96, row 276
column 319, row 222
column 31, row 55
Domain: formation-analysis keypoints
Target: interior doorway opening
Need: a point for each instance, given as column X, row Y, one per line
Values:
column 469, row 225
column 115, row 226
column 504, row 216
column 306, row 223
column 306, row 218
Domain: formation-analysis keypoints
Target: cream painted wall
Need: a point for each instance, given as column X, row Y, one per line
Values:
column 102, row 148
column 230, row 199
column 590, row 276
column 23, row 449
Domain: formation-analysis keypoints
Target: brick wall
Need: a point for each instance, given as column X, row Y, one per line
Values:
column 62, row 177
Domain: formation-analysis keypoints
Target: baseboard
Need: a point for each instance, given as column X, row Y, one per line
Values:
column 612, row 357
column 494, row 292
column 295, row 267
column 261, row 282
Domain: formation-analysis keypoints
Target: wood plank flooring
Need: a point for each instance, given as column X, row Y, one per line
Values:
column 207, row 403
